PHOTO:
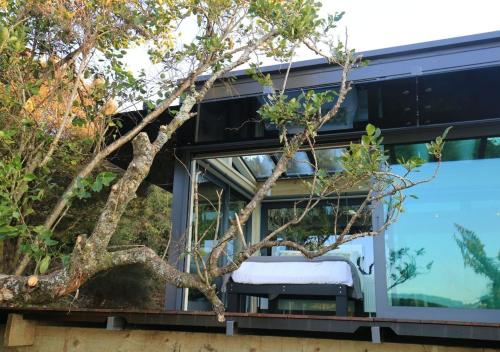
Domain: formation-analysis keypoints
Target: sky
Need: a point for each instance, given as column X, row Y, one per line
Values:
column 465, row 194
column 384, row 23
column 376, row 24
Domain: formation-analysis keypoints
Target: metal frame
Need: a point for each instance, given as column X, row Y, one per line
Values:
column 384, row 309
column 449, row 55
column 407, row 50
column 237, row 291
column 455, row 54
column 180, row 223
column 475, row 129
column 486, row 127
column 179, row 219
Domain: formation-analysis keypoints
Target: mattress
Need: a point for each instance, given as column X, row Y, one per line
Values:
column 291, row 272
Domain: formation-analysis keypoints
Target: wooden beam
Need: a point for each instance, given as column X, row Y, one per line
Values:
column 76, row 339
column 19, row 332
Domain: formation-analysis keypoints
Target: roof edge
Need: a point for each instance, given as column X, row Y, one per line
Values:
column 394, row 51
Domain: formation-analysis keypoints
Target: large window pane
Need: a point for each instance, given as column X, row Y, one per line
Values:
column 211, row 191
column 299, row 165
column 444, row 251
column 317, row 228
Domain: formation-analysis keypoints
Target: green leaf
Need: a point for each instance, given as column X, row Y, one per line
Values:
column 50, row 242
column 370, row 129
column 446, row 131
column 35, row 249
column 7, row 231
column 65, row 259
column 78, row 121
column 97, row 186
column 44, row 264
column 106, row 178
column 29, row 177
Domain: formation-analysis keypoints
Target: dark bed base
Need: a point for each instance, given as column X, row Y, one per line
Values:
column 236, row 293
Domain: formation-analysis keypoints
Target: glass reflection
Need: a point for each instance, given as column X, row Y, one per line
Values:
column 299, row 165
column 444, row 251
column 211, row 191
column 330, row 159
column 316, row 229
column 261, row 165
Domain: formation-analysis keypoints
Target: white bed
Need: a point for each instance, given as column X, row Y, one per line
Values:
column 312, row 272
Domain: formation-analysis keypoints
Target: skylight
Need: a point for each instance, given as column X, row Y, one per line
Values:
column 302, row 163
column 330, row 159
column 261, row 166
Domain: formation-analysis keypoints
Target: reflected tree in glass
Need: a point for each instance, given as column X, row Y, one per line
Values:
column 403, row 266
column 318, row 227
column 475, row 257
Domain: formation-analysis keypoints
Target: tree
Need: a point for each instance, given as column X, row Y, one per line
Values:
column 476, row 258
column 403, row 266
column 76, row 38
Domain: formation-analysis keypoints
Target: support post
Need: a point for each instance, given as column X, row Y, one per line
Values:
column 376, row 335
column 179, row 218
column 231, row 328
column 341, row 305
column 115, row 323
column 19, row 332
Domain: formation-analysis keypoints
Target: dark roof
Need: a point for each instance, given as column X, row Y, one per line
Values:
column 472, row 51
column 401, row 50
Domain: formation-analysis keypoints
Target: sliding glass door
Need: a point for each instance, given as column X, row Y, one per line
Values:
column 213, row 209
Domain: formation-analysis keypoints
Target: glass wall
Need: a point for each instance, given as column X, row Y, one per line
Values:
column 217, row 182
column 237, row 120
column 444, row 251
column 317, row 230
column 213, row 195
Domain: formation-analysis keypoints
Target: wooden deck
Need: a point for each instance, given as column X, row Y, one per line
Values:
column 357, row 328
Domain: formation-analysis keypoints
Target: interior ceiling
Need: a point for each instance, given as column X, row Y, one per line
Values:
column 256, row 168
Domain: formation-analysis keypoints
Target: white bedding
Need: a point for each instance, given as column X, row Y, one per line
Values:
column 324, row 272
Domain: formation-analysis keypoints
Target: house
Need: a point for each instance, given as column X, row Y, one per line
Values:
column 440, row 260
column 433, row 276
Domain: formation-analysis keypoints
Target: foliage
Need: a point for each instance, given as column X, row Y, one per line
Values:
column 295, row 112
column 62, row 76
column 475, row 257
column 146, row 221
column 403, row 266
column 62, row 69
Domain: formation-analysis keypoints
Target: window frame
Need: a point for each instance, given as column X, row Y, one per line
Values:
column 278, row 204
column 385, row 310
column 461, row 130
